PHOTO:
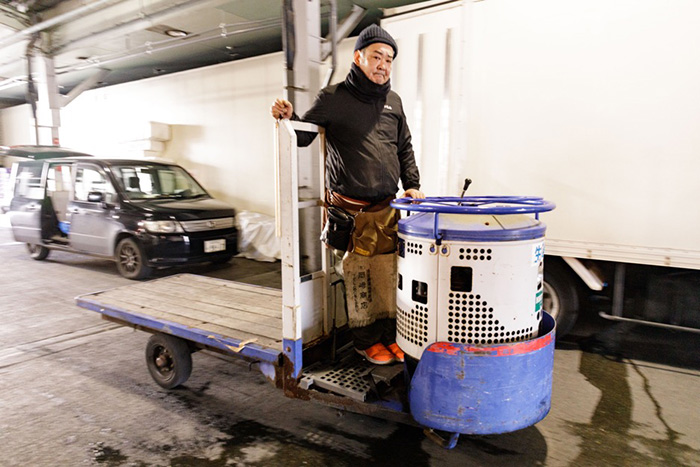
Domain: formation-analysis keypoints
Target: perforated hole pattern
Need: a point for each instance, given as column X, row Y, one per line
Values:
column 414, row 248
column 475, row 254
column 413, row 325
column 348, row 378
column 471, row 321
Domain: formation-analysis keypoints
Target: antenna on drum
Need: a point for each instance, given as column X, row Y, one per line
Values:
column 467, row 182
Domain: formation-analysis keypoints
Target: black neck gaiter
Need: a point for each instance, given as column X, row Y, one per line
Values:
column 363, row 88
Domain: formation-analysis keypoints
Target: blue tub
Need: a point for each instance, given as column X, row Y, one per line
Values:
column 484, row 389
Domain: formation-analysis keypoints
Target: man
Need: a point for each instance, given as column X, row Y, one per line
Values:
column 368, row 150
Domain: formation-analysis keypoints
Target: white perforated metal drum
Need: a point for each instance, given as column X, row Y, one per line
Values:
column 468, row 279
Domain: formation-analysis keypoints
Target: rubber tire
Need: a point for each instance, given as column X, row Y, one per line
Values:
column 130, row 251
column 561, row 296
column 38, row 252
column 175, row 366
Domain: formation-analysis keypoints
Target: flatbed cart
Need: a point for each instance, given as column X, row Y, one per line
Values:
column 295, row 337
column 187, row 312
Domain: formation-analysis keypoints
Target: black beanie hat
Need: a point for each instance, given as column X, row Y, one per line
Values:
column 372, row 34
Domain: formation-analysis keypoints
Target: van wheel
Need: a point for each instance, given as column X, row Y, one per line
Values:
column 131, row 262
column 561, row 297
column 169, row 360
column 37, row 252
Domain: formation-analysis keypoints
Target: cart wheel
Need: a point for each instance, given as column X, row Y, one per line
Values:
column 37, row 252
column 169, row 360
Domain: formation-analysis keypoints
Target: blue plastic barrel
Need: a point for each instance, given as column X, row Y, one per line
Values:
column 484, row 389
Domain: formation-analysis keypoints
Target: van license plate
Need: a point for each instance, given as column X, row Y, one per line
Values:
column 210, row 246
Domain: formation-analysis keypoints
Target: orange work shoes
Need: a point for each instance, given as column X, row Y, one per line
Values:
column 377, row 354
column 398, row 353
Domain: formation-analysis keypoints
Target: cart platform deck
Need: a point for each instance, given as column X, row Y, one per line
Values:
column 231, row 317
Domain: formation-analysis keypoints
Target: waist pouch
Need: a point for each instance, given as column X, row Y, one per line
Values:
column 340, row 225
column 375, row 232
column 358, row 226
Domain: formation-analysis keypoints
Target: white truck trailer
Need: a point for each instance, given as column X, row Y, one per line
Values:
column 593, row 105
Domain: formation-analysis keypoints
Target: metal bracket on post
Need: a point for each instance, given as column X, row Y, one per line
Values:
column 45, row 99
column 89, row 83
column 337, row 33
column 343, row 29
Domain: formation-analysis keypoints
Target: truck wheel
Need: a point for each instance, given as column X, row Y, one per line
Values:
column 561, row 296
column 37, row 252
column 131, row 262
column 169, row 360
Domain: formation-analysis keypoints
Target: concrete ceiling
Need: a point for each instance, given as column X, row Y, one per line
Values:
column 130, row 37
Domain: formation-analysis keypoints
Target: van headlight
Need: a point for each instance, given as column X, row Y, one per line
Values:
column 163, row 227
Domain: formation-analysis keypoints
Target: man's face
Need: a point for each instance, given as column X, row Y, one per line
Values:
column 375, row 62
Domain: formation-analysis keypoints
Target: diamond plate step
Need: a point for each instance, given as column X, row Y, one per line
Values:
column 351, row 377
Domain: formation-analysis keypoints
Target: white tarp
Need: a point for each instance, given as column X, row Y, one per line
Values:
column 256, row 239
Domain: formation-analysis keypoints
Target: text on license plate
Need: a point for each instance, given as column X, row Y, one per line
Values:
column 210, row 246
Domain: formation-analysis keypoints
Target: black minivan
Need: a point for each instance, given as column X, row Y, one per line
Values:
column 140, row 213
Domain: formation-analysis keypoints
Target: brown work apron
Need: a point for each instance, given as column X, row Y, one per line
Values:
column 369, row 267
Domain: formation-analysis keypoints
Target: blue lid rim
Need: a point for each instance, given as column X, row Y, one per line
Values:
column 508, row 235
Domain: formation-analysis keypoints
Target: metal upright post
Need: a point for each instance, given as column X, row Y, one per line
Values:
column 302, row 44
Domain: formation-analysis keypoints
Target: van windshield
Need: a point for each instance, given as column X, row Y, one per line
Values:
column 156, row 181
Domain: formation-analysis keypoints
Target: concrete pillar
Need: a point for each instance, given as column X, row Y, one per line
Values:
column 48, row 110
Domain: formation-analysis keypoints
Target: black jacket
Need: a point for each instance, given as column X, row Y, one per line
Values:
column 368, row 143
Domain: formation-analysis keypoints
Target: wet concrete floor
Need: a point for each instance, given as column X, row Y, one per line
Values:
column 74, row 390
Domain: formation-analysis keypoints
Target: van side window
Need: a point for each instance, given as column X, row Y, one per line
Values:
column 88, row 180
column 28, row 181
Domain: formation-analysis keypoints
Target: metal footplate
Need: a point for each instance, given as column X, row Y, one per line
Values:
column 352, row 377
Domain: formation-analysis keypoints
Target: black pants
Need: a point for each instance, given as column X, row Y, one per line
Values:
column 382, row 330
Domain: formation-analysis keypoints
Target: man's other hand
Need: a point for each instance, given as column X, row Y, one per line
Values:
column 413, row 193
column 281, row 109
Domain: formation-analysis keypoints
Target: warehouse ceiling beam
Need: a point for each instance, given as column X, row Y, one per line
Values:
column 142, row 22
column 60, row 19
